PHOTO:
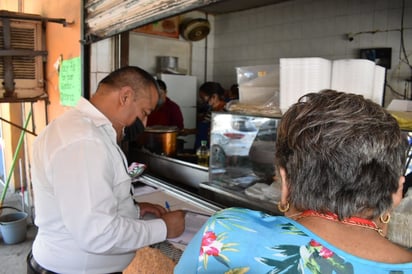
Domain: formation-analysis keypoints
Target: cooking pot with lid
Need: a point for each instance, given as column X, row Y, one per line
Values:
column 161, row 139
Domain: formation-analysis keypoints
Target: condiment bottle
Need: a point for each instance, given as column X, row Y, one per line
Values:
column 202, row 154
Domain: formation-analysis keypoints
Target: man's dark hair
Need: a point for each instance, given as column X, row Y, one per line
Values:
column 161, row 84
column 136, row 78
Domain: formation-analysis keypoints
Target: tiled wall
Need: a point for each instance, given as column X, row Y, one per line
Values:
column 100, row 65
column 308, row 28
column 202, row 51
column 297, row 28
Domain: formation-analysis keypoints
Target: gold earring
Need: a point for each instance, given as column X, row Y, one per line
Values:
column 386, row 219
column 284, row 208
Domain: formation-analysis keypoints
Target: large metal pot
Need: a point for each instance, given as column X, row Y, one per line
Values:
column 161, row 140
column 167, row 63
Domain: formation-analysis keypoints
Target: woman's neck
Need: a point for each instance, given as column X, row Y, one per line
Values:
column 352, row 221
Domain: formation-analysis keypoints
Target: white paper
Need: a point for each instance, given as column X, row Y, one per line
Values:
column 193, row 221
column 143, row 190
column 400, row 105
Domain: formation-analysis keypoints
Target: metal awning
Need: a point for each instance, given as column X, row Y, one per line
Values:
column 105, row 18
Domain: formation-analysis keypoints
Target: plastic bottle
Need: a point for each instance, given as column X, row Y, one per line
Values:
column 202, row 154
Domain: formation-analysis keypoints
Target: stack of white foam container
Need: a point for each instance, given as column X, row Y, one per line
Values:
column 299, row 76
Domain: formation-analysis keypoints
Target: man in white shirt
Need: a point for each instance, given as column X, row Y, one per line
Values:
column 87, row 221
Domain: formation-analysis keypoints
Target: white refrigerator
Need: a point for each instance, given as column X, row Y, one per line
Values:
column 182, row 89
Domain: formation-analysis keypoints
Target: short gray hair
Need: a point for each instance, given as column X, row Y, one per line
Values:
column 342, row 153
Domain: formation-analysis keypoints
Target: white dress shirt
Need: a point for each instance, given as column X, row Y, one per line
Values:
column 83, row 208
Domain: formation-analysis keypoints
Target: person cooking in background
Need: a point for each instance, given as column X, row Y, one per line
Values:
column 232, row 93
column 87, row 220
column 340, row 159
column 168, row 113
column 213, row 94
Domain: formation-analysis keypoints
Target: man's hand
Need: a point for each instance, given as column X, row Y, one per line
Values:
column 154, row 209
column 175, row 222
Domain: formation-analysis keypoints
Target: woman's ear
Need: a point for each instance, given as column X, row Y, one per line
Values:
column 284, row 186
column 398, row 195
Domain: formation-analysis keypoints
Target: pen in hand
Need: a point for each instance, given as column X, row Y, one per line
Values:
column 167, row 206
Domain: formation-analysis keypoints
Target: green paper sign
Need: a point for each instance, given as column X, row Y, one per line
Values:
column 70, row 81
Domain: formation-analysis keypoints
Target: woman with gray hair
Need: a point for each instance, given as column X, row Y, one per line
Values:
column 340, row 159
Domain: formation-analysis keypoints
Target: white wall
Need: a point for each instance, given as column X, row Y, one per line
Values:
column 145, row 50
column 102, row 61
column 309, row 28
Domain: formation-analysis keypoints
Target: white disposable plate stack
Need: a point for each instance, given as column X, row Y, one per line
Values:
column 299, row 76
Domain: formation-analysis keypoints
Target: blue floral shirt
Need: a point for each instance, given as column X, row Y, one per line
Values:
column 238, row 240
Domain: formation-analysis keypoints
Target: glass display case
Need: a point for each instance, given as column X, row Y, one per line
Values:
column 241, row 164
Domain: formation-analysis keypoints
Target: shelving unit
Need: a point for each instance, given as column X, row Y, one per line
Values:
column 23, row 57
